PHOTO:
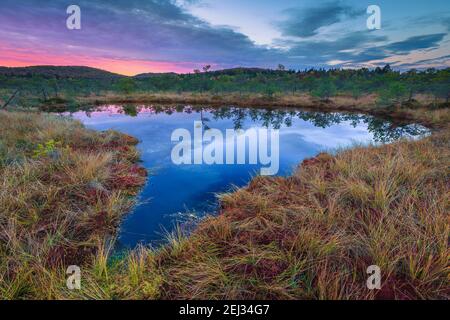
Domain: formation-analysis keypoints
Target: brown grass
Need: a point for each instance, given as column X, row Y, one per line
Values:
column 313, row 235
column 63, row 190
column 308, row 236
column 241, row 99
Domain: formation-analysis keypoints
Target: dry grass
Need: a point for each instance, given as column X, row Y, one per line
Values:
column 313, row 235
column 308, row 236
column 58, row 201
column 282, row 99
column 233, row 98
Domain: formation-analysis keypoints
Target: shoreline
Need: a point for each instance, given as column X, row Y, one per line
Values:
column 405, row 112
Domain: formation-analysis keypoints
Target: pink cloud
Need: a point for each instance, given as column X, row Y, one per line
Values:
column 19, row 57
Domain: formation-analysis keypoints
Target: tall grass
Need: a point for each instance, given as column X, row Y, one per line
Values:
column 313, row 235
column 308, row 236
column 57, row 205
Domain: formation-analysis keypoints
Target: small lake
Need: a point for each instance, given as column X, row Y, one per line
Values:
column 174, row 191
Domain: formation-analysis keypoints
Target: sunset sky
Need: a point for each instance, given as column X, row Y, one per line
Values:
column 132, row 36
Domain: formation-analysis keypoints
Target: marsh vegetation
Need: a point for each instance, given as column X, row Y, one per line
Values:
column 311, row 235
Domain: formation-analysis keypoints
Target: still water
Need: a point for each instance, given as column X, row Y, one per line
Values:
column 174, row 193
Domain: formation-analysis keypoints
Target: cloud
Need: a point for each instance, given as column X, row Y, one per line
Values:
column 187, row 3
column 357, row 46
column 446, row 23
column 161, row 34
column 153, row 29
column 435, row 18
column 306, row 22
column 415, row 43
column 442, row 61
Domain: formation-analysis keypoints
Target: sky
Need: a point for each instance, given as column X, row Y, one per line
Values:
column 138, row 36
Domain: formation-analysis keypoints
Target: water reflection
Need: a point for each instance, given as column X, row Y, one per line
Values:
column 384, row 131
column 173, row 191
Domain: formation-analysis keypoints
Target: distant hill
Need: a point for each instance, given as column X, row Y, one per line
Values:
column 94, row 73
column 59, row 72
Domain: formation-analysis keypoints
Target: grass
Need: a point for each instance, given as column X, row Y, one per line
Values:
column 304, row 100
column 313, row 235
column 63, row 191
column 308, row 236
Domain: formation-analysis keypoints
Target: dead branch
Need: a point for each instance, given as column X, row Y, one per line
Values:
column 10, row 99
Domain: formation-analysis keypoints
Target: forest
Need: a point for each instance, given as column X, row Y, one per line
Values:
column 31, row 85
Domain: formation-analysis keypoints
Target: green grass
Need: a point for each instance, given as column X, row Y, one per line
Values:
column 308, row 236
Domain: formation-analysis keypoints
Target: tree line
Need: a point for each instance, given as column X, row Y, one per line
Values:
column 390, row 86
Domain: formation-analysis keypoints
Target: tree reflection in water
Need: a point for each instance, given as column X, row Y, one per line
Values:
column 384, row 131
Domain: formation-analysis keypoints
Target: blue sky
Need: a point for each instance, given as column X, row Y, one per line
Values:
column 132, row 36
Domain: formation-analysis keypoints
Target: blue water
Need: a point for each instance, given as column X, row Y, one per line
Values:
column 174, row 190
